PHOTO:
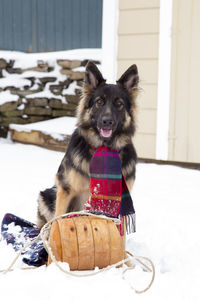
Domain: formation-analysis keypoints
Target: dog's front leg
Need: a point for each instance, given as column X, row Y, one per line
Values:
column 77, row 187
column 63, row 200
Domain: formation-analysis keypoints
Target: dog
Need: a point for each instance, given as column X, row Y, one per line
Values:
column 105, row 116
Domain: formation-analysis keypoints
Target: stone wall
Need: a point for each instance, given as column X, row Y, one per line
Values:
column 40, row 92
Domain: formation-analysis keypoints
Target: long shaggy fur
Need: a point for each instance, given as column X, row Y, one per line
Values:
column 105, row 115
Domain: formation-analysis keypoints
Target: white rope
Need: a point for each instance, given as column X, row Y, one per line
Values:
column 44, row 235
column 138, row 259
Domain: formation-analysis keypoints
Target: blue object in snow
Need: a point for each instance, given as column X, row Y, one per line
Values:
column 19, row 232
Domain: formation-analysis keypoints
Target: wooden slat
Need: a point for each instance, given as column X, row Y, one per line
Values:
column 70, row 250
column 139, row 21
column 146, row 121
column 147, row 69
column 55, row 242
column 39, row 138
column 145, row 145
column 137, row 4
column 101, row 241
column 147, row 98
column 116, row 244
column 85, row 243
column 138, row 46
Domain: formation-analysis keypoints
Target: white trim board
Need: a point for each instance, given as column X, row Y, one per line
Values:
column 109, row 39
column 164, row 69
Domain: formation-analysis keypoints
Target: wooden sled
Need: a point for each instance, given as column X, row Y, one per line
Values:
column 86, row 242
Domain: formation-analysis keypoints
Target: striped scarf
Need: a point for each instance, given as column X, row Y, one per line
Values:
column 109, row 192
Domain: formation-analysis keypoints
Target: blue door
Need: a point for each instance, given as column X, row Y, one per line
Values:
column 50, row 25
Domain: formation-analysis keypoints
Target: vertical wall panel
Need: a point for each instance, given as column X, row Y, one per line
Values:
column 49, row 25
column 99, row 14
column 41, row 25
column 94, row 11
column 34, row 40
column 184, row 141
column 2, row 26
column 26, row 23
column 138, row 37
column 84, row 26
column 92, row 25
column 7, row 16
column 75, row 23
column 67, row 24
column 59, row 21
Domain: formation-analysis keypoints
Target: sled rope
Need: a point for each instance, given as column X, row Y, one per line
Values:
column 44, row 235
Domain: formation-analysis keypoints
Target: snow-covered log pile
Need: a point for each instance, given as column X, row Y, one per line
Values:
column 52, row 134
column 34, row 89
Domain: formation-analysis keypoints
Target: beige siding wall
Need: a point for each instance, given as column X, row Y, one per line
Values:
column 184, row 137
column 138, row 36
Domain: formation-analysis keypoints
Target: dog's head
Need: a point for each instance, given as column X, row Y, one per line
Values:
column 106, row 111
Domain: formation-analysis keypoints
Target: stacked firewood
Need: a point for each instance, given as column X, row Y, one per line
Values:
column 44, row 91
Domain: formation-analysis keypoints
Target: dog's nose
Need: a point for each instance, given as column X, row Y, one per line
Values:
column 107, row 121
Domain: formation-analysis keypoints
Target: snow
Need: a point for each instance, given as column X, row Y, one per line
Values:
column 46, row 93
column 7, row 97
column 11, row 81
column 71, row 89
column 55, row 127
column 26, row 60
column 167, row 203
column 21, row 107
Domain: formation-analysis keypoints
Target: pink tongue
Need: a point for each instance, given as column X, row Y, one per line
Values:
column 106, row 132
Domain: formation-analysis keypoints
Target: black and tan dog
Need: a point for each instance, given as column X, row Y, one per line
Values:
column 106, row 115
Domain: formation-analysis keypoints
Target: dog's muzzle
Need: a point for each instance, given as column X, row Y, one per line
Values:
column 107, row 124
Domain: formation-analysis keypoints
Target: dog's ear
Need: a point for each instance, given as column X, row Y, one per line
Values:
column 93, row 77
column 129, row 79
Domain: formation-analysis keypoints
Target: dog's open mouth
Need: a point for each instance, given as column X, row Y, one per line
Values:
column 106, row 133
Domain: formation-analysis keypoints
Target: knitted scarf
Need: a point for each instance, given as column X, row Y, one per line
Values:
column 109, row 192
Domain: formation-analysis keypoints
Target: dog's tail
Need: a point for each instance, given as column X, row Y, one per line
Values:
column 46, row 206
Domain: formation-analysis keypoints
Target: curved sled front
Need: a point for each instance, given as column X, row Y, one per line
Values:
column 86, row 242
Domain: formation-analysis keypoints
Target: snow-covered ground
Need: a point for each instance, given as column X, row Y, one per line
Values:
column 167, row 203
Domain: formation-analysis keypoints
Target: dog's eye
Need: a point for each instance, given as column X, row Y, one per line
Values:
column 100, row 102
column 119, row 103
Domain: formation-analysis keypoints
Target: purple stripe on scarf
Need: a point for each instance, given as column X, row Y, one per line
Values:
column 106, row 154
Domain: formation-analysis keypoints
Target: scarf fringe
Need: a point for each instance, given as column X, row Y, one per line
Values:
column 130, row 224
